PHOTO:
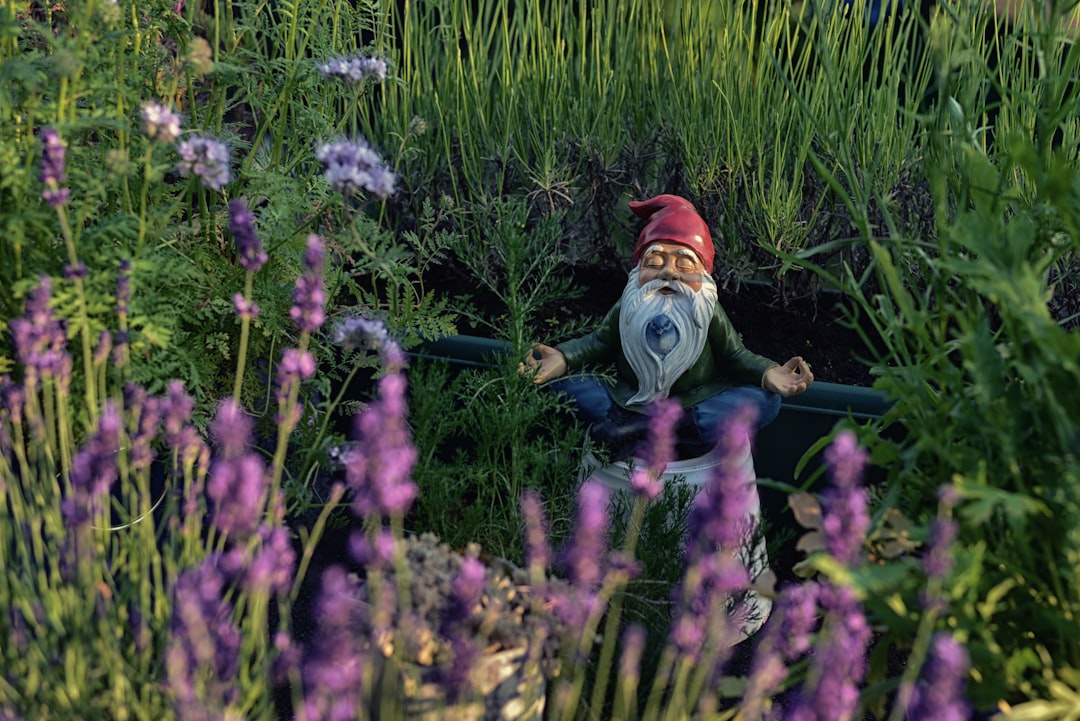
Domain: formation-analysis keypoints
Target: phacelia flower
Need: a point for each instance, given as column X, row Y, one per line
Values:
column 52, row 175
column 248, row 245
column 845, row 519
column 355, row 69
column 939, row 695
column 352, row 165
column 160, row 123
column 310, row 296
column 660, row 449
column 353, row 333
column 207, row 158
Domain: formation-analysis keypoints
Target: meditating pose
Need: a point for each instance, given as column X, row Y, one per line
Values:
column 667, row 337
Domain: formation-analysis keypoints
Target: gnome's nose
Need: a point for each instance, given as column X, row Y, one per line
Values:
column 661, row 335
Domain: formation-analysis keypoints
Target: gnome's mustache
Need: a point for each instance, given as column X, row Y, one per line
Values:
column 653, row 287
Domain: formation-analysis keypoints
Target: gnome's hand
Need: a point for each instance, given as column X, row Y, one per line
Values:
column 790, row 379
column 546, row 362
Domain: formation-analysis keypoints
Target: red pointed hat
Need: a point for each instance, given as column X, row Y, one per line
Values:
column 672, row 219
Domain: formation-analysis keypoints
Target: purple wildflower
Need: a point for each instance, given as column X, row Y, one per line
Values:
column 334, row 668
column 845, row 519
column 94, row 468
column 378, row 467
column 207, row 158
column 202, row 658
column 177, row 408
column 352, row 165
column 839, row 663
column 663, row 416
column 939, row 695
column 307, row 310
column 248, row 245
column 355, row 69
column 160, row 123
column 40, row 339
column 245, row 309
column 77, row 271
column 52, row 175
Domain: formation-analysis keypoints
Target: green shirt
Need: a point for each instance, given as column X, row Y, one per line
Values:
column 724, row 361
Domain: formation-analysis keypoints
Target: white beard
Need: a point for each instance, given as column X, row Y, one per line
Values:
column 690, row 312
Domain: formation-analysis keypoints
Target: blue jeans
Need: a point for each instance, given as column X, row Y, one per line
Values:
column 592, row 401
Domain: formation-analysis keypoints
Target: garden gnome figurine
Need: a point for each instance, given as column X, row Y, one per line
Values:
column 667, row 337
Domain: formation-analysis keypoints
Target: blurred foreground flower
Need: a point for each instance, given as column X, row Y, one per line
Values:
column 352, row 165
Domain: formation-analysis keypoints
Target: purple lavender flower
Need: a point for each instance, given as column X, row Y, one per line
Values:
column 334, row 669
column 231, row 429
column 307, row 310
column 351, row 165
column 839, row 662
column 939, row 695
column 146, row 409
column 160, row 123
column 267, row 569
column 585, row 556
column 845, row 519
column 237, row 487
column 77, row 271
column 248, row 245
column 40, row 339
column 207, row 158
column 355, row 69
column 373, row 553
column 378, row 467
column 94, row 468
column 245, row 309
column 663, row 415
column 295, row 366
column 722, row 514
column 203, row 654
column 52, row 175
column 123, row 287
column 785, row 639
column 938, row 560
column 537, row 552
